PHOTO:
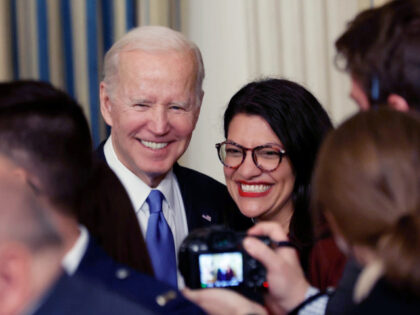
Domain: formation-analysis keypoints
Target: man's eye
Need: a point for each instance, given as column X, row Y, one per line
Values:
column 141, row 105
column 177, row 107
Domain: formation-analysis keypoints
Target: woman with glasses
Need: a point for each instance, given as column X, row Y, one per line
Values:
column 273, row 130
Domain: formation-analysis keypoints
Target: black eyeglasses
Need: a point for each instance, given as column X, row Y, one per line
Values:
column 266, row 157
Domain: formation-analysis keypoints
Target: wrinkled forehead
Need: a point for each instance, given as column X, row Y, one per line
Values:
column 140, row 60
column 139, row 70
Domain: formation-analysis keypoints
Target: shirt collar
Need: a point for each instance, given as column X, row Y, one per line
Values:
column 167, row 186
column 73, row 257
column 136, row 189
column 367, row 279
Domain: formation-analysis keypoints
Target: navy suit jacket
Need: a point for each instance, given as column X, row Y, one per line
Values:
column 206, row 201
column 145, row 290
column 73, row 295
column 342, row 299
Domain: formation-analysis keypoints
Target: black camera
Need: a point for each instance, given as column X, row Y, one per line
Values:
column 214, row 257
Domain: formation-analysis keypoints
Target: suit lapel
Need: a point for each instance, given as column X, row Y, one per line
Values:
column 99, row 152
column 187, row 197
column 95, row 262
column 197, row 212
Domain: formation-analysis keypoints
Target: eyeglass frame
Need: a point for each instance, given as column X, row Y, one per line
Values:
column 282, row 153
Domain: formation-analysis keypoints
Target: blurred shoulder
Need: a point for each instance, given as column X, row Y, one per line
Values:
column 75, row 295
column 140, row 288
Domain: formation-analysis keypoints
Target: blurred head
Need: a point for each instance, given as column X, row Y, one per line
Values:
column 45, row 132
column 367, row 181
column 287, row 117
column 151, row 97
column 30, row 246
column 381, row 51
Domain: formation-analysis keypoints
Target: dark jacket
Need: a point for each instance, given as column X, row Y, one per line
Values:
column 206, row 201
column 145, row 290
column 384, row 299
column 73, row 295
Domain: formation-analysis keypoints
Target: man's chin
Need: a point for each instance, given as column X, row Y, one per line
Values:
column 156, row 174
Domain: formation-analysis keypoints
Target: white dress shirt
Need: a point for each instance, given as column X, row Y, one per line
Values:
column 316, row 307
column 172, row 205
column 73, row 257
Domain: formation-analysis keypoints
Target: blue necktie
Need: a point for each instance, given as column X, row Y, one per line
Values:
column 160, row 241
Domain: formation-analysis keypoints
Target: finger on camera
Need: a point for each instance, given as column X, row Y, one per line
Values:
column 259, row 250
column 270, row 229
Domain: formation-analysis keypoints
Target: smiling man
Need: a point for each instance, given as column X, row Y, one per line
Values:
column 151, row 97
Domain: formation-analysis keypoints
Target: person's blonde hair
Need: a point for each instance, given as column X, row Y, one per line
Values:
column 368, row 177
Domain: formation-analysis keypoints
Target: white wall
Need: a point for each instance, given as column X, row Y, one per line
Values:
column 243, row 40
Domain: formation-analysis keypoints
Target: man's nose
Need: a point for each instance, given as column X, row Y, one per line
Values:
column 159, row 123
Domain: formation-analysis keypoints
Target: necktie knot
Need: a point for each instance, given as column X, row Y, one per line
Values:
column 154, row 200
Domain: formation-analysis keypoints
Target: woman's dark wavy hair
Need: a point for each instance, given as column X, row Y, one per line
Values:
column 300, row 122
column 45, row 131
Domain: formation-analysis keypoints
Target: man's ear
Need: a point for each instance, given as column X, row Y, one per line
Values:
column 106, row 105
column 14, row 277
column 196, row 115
column 22, row 175
column 201, row 97
column 398, row 102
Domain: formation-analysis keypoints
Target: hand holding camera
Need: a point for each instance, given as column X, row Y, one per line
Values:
column 215, row 258
column 263, row 259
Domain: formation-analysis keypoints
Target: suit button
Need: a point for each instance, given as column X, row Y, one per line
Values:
column 122, row 273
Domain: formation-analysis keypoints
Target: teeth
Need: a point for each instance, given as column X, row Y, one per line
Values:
column 154, row 145
column 254, row 188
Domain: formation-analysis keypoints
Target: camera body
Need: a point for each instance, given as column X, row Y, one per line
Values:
column 214, row 257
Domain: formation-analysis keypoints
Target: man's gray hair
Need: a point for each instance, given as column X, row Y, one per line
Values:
column 150, row 39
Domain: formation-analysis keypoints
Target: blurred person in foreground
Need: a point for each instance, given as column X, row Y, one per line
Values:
column 31, row 278
column 369, row 194
column 44, row 131
column 380, row 51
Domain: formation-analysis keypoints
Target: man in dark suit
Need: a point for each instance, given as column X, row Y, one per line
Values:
column 151, row 97
column 31, row 278
column 46, row 134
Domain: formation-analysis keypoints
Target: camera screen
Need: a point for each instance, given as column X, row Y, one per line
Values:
column 220, row 269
